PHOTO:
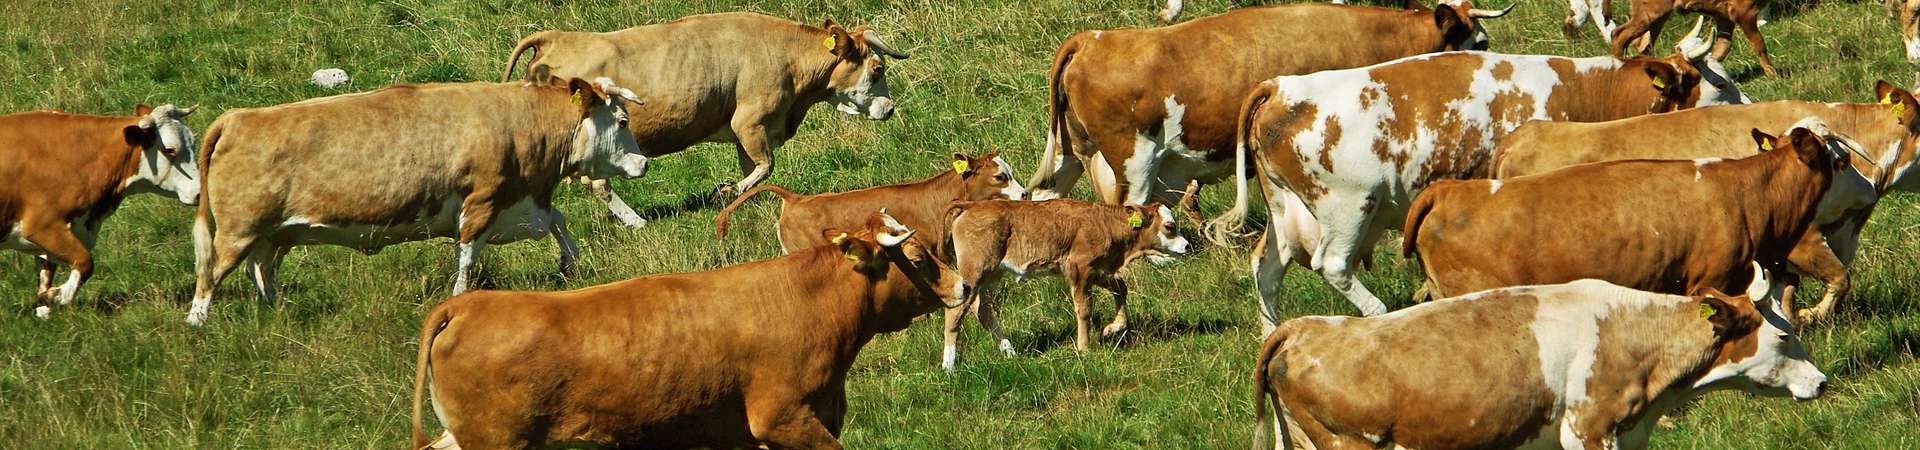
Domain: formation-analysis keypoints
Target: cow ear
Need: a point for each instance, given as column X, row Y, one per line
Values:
column 584, row 95
column 136, row 136
column 1444, row 18
column 1805, row 144
column 1662, row 76
column 1763, row 140
column 963, row 165
column 851, row 247
column 838, row 41
column 142, row 109
column 1899, row 102
column 1139, row 216
column 1717, row 309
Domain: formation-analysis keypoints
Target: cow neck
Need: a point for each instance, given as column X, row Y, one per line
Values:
column 813, row 69
column 841, row 299
column 1419, row 38
column 1870, row 124
column 560, row 128
column 1790, row 191
column 1605, row 95
column 1685, row 359
column 104, row 172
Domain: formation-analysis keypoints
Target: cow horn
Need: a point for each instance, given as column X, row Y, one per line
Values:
column 892, row 240
column 1760, row 287
column 873, row 40
column 189, row 110
column 1489, row 13
column 1700, row 46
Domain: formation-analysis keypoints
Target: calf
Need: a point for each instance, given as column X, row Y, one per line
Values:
column 1087, row 243
column 1152, row 110
column 1649, row 16
column 744, row 356
column 1354, row 146
column 1585, row 364
column 920, row 205
column 475, row 161
column 67, row 172
column 738, row 77
column 1888, row 137
column 1712, row 219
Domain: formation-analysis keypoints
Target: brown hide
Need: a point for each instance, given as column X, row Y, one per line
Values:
column 920, row 205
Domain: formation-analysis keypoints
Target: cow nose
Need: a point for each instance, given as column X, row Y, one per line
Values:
column 882, row 109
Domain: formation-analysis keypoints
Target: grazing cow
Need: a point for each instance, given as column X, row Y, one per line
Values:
column 1585, row 364
column 474, row 161
column 1152, row 110
column 744, row 356
column 737, row 77
column 1087, row 243
column 920, row 205
column 67, row 172
column 1712, row 219
column 1356, row 145
column 1888, row 145
column 1642, row 28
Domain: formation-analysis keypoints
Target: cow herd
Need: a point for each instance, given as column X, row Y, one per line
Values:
column 1581, row 279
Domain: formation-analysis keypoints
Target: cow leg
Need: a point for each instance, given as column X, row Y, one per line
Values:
column 1631, row 31
column 569, row 251
column 1812, row 256
column 755, row 147
column 955, row 316
column 1646, row 41
column 476, row 215
column 1722, row 36
column 1077, row 279
column 45, row 290
column 60, row 243
column 1749, row 27
column 1344, row 228
column 215, row 256
column 1058, row 170
column 1190, row 205
column 989, row 313
column 615, row 205
column 1270, row 263
column 1119, row 324
column 263, row 265
column 789, row 426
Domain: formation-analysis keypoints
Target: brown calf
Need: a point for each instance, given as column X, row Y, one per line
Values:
column 920, row 205
column 1087, row 243
column 1649, row 16
column 744, row 356
column 1664, row 226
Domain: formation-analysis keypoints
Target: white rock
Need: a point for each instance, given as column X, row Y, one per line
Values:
column 329, row 78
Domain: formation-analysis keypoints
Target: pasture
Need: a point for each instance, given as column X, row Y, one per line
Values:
column 331, row 365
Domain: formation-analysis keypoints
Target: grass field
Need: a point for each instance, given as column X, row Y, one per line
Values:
column 332, row 365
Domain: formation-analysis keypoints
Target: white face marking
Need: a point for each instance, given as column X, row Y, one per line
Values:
column 1013, row 191
column 167, row 165
column 609, row 150
column 1171, row 242
column 868, row 97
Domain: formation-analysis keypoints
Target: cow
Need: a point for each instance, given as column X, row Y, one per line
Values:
column 920, row 205
column 1712, row 219
column 743, row 78
column 1888, row 143
column 1908, row 13
column 1642, row 27
column 706, row 359
column 1152, row 110
column 1585, row 364
column 67, row 172
column 1355, row 146
column 1086, row 243
column 477, row 162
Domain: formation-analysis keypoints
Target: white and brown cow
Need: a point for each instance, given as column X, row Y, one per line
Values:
column 753, row 355
column 65, row 173
column 1888, row 144
column 1087, row 243
column 920, row 205
column 1355, row 146
column 1670, row 226
column 1146, row 111
column 743, row 78
column 1585, row 364
column 477, row 162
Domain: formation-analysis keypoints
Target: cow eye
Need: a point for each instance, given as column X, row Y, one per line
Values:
column 1001, row 178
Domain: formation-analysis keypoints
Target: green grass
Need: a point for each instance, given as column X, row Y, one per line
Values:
column 331, row 365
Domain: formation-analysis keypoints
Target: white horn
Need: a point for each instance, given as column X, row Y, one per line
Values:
column 1700, row 46
column 1488, row 13
column 1761, row 286
column 189, row 111
column 892, row 240
column 873, row 40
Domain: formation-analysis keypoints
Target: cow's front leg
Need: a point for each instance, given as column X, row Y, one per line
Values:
column 1119, row 324
column 955, row 318
column 756, row 141
column 476, row 215
column 569, row 251
column 60, row 243
column 615, row 205
column 1077, row 280
column 789, row 425
column 1812, row 256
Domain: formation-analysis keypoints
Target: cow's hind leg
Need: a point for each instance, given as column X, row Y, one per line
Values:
column 1750, row 27
column 1344, row 224
column 988, row 310
column 263, row 265
column 788, row 425
column 44, row 293
column 226, row 252
column 615, row 205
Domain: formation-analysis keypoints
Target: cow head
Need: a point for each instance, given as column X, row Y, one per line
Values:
column 608, row 149
column 1910, row 28
column 908, row 278
column 1154, row 233
column 1852, row 188
column 1806, row 146
column 986, row 177
column 1757, row 351
column 1718, row 87
column 167, row 150
column 859, row 78
column 1901, row 110
column 1460, row 25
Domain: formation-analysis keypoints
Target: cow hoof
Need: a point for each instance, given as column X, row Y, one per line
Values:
column 1567, row 28
column 1112, row 330
column 43, row 312
column 1007, row 348
column 724, row 193
column 1807, row 317
column 196, row 318
column 1666, row 423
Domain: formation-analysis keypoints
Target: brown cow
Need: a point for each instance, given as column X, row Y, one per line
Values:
column 750, row 355
column 477, row 162
column 67, row 172
column 1585, row 364
column 1087, row 243
column 1642, row 28
column 1909, row 14
column 1151, row 110
column 739, row 77
column 1664, row 226
column 920, row 205
column 1888, row 144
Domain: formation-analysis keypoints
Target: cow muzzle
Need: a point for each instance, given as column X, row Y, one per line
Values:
column 880, row 109
column 631, row 165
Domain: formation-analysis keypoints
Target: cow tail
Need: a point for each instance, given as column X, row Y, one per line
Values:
column 1263, row 397
column 1416, row 214
column 436, row 320
column 1221, row 229
column 531, row 42
column 203, row 212
column 720, row 221
column 1057, row 142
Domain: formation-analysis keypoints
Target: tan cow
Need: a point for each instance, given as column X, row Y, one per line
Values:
column 1585, row 364
column 1355, row 146
column 920, row 205
column 1086, row 243
column 477, row 162
column 744, row 356
column 1675, row 227
column 1889, row 144
column 739, row 77
column 65, row 173
column 1150, row 110
column 1909, row 14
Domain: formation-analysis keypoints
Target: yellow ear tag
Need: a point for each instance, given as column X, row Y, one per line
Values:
column 1766, row 146
column 960, row 166
column 578, row 100
column 1899, row 111
column 1659, row 83
column 851, row 256
column 1886, row 99
column 1134, row 220
column 1707, row 311
column 829, row 42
